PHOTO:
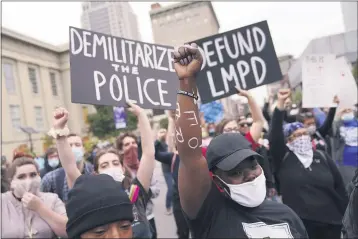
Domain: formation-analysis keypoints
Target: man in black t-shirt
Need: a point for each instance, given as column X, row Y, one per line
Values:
column 230, row 203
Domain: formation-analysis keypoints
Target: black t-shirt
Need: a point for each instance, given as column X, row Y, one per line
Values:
column 221, row 217
column 139, row 197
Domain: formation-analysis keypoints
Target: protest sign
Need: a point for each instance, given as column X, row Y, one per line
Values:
column 107, row 70
column 244, row 57
column 213, row 111
column 345, row 84
column 119, row 116
column 318, row 81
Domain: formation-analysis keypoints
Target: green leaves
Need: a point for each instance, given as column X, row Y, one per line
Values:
column 102, row 122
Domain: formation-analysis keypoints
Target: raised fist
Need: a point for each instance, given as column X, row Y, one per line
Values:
column 60, row 118
column 187, row 61
column 283, row 94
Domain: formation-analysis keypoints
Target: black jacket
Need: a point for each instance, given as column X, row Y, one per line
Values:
column 308, row 191
column 350, row 219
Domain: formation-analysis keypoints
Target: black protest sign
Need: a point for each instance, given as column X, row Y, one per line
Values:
column 244, row 57
column 107, row 70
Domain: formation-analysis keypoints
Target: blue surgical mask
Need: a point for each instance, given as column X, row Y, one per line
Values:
column 40, row 162
column 348, row 116
column 78, row 152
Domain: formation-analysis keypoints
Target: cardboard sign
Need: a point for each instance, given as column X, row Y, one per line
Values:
column 107, row 70
column 345, row 84
column 244, row 57
column 319, row 75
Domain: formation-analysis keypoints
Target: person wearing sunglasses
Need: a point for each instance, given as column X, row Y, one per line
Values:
column 310, row 182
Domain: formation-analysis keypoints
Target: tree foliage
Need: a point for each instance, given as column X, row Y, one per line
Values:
column 163, row 123
column 355, row 72
column 102, row 123
column 48, row 141
column 297, row 97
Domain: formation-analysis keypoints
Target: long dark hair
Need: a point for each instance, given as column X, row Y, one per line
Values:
column 127, row 172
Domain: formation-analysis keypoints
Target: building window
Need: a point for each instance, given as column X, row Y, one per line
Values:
column 53, row 84
column 9, row 77
column 15, row 115
column 39, row 118
column 33, row 80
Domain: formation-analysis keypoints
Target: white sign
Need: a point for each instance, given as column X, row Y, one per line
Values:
column 319, row 79
column 262, row 230
column 346, row 85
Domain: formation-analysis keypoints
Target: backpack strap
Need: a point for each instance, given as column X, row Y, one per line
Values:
column 322, row 154
column 60, row 181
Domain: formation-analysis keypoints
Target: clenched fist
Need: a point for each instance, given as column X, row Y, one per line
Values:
column 31, row 201
column 187, row 61
column 60, row 118
column 282, row 96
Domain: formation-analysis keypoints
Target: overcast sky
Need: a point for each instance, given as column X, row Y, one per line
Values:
column 292, row 24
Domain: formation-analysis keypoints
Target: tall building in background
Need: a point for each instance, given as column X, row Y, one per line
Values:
column 113, row 18
column 349, row 12
column 285, row 61
column 182, row 22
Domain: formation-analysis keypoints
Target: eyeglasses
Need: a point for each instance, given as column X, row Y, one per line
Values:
column 231, row 130
column 245, row 124
column 307, row 115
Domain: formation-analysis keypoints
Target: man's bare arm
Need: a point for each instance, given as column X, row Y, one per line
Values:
column 194, row 178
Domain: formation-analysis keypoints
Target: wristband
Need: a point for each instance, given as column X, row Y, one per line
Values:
column 192, row 95
column 55, row 133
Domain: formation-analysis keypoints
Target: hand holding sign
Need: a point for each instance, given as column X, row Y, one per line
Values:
column 135, row 109
column 336, row 100
column 243, row 93
column 60, row 118
column 187, row 61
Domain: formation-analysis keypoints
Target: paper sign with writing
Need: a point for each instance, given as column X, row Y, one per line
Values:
column 318, row 81
column 244, row 57
column 346, row 85
column 107, row 70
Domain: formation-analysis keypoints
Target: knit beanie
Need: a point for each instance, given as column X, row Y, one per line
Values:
column 96, row 200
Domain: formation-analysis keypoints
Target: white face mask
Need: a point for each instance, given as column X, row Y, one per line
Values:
column 294, row 112
column 348, row 116
column 54, row 162
column 116, row 173
column 78, row 152
column 250, row 194
column 311, row 129
column 20, row 187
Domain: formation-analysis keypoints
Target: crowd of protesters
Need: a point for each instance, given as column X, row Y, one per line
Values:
column 280, row 171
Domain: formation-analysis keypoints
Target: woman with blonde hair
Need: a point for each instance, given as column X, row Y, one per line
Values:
column 26, row 212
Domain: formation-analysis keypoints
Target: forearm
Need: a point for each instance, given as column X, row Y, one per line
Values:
column 170, row 135
column 68, row 160
column 258, row 119
column 146, row 135
column 147, row 162
column 327, row 125
column 187, row 125
column 56, row 221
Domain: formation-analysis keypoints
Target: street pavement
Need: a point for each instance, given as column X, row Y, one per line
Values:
column 166, row 227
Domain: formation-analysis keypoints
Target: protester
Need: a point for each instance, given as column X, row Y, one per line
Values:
column 346, row 147
column 25, row 211
column 310, row 182
column 350, row 226
column 55, row 181
column 241, row 209
column 127, row 143
column 115, row 164
column 98, row 207
column 319, row 134
column 161, row 146
column 51, row 162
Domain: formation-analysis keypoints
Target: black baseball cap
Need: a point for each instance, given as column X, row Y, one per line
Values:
column 226, row 151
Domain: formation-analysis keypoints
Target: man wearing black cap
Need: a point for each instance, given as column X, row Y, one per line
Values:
column 231, row 203
column 97, row 207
